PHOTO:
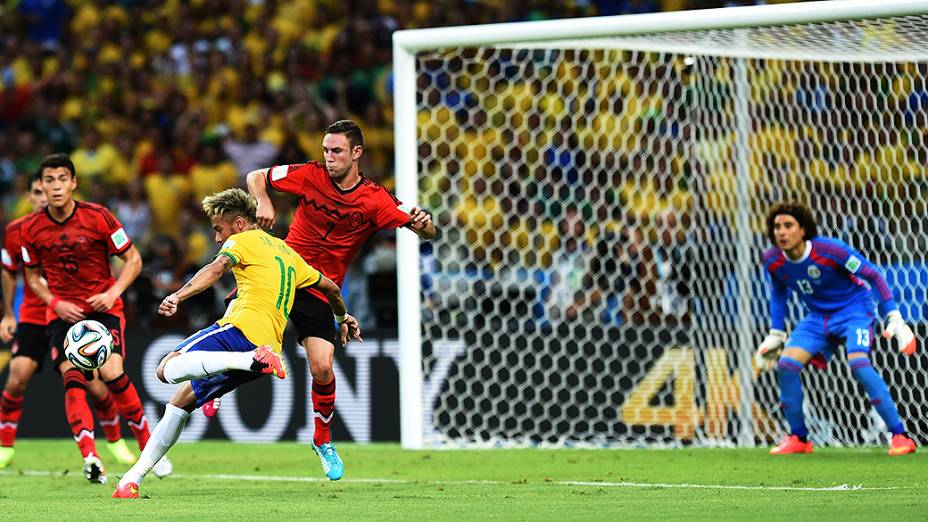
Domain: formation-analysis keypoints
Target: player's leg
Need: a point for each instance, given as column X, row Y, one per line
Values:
column 211, row 408
column 165, row 435
column 315, row 327
column 320, row 353
column 29, row 348
column 125, row 396
column 11, row 402
column 189, row 396
column 808, row 339
column 214, row 350
column 858, row 333
column 105, row 411
column 80, row 418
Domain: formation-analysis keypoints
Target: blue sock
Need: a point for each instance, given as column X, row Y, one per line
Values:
column 788, row 370
column 878, row 392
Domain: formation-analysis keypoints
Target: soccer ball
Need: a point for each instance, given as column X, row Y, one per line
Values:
column 88, row 344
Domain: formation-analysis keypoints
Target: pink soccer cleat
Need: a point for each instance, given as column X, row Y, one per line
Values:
column 791, row 445
column 266, row 361
column 901, row 445
column 211, row 408
column 130, row 490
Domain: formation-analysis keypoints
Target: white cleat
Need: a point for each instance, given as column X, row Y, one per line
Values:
column 93, row 470
column 163, row 467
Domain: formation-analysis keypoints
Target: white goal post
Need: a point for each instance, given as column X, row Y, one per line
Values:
column 600, row 186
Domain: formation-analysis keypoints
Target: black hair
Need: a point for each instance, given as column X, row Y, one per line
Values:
column 800, row 212
column 57, row 160
column 351, row 131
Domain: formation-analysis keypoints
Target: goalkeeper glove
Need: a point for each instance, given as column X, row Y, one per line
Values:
column 769, row 351
column 896, row 327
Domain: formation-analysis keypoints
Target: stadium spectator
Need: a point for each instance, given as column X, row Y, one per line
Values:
column 133, row 211
column 212, row 172
column 250, row 152
column 673, row 271
column 94, row 159
column 568, row 298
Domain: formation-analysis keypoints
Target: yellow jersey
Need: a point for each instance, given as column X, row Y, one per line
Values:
column 268, row 273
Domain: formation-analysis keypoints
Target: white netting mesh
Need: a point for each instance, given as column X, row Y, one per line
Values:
column 591, row 276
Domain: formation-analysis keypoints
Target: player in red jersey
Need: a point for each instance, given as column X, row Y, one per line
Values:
column 71, row 242
column 339, row 209
column 31, row 345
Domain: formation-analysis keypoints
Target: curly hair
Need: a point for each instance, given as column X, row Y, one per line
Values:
column 800, row 212
column 230, row 204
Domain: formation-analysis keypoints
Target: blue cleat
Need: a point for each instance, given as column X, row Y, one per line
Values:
column 331, row 463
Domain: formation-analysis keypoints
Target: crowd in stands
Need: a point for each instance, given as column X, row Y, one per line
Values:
column 635, row 155
column 162, row 102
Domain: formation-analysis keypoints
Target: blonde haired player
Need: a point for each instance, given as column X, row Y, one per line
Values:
column 245, row 343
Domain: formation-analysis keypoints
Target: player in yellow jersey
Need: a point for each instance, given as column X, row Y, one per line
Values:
column 244, row 344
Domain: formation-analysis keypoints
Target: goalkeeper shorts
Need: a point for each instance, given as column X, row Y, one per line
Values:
column 821, row 334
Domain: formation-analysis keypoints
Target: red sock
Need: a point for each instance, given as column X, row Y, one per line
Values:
column 11, row 409
column 109, row 419
column 323, row 410
column 130, row 407
column 75, row 407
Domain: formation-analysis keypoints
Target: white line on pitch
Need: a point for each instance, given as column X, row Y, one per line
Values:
column 657, row 485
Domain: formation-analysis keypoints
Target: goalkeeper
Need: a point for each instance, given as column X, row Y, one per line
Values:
column 834, row 282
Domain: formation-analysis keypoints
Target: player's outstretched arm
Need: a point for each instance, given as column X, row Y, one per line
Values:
column 8, row 323
column 257, row 187
column 66, row 310
column 104, row 301
column 203, row 279
column 348, row 326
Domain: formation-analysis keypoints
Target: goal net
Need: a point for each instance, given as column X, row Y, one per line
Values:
column 597, row 278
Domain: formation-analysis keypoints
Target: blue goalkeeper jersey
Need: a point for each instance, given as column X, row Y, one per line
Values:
column 830, row 276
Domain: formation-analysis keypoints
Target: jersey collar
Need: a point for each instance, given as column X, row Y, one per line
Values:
column 348, row 190
column 805, row 254
column 66, row 219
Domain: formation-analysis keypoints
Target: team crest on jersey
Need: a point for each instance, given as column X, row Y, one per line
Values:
column 814, row 272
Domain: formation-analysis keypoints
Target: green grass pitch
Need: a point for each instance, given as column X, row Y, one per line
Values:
column 226, row 481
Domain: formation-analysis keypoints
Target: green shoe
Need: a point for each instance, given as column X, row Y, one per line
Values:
column 120, row 451
column 6, row 456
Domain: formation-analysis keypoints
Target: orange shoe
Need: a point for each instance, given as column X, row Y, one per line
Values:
column 790, row 445
column 901, row 445
column 130, row 490
column 266, row 361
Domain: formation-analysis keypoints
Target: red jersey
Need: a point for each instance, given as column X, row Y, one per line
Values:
column 331, row 224
column 75, row 253
column 32, row 309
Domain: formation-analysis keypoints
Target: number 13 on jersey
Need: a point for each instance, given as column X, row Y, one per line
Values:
column 805, row 286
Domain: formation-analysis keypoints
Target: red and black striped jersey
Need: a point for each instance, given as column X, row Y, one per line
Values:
column 32, row 309
column 330, row 224
column 75, row 253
